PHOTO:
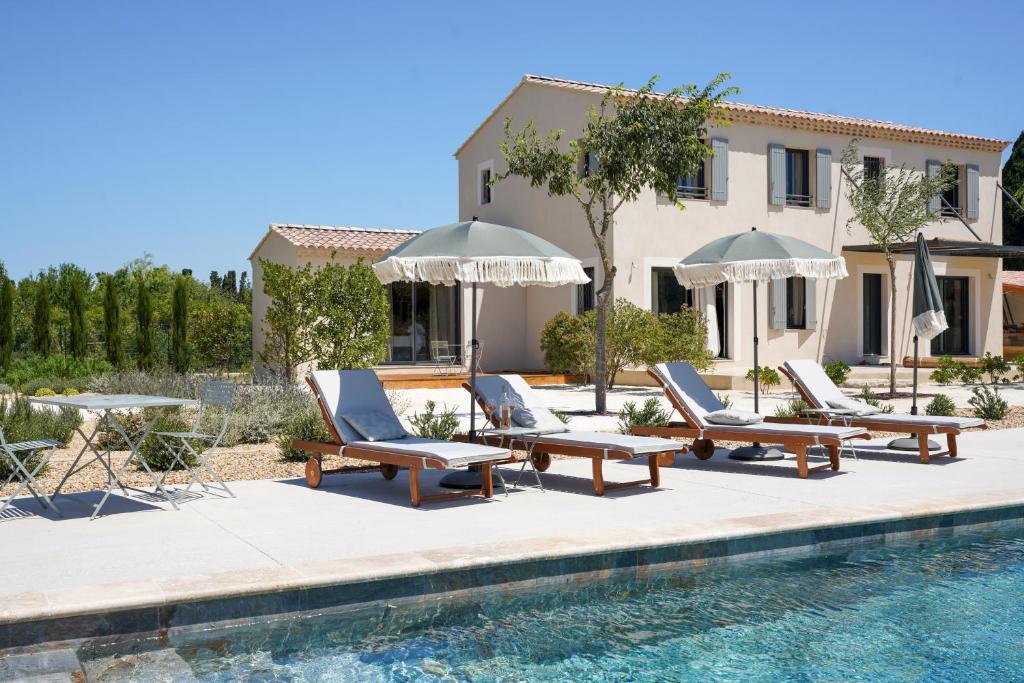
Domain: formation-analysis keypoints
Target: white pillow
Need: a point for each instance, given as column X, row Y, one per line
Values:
column 376, row 425
column 859, row 407
column 542, row 420
column 731, row 416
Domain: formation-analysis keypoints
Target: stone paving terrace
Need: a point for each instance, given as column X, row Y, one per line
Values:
column 279, row 534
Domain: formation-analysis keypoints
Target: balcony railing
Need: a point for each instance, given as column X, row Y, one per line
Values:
column 950, row 211
column 691, row 192
column 798, row 199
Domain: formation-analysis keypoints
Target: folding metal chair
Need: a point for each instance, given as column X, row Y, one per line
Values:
column 18, row 454
column 444, row 357
column 214, row 394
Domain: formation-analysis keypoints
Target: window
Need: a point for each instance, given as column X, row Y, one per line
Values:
column 951, row 205
column 485, row 186
column 873, row 167
column 798, row 191
column 693, row 186
column 667, row 295
column 955, row 340
column 585, row 293
column 796, row 303
column 588, row 163
column 421, row 316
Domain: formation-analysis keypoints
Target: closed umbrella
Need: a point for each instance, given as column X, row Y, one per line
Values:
column 757, row 256
column 477, row 252
column 929, row 322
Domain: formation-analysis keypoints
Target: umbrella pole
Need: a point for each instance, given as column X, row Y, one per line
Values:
column 469, row 478
column 910, row 443
column 756, row 451
column 913, row 405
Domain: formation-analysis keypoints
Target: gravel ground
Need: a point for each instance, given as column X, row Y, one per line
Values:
column 262, row 461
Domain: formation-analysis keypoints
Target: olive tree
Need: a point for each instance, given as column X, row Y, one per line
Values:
column 352, row 326
column 892, row 205
column 288, row 321
column 633, row 140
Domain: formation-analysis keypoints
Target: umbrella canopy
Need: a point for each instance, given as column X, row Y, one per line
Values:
column 929, row 315
column 757, row 256
column 474, row 251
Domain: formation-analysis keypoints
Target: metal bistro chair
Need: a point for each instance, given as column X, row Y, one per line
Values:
column 18, row 454
column 445, row 358
column 217, row 395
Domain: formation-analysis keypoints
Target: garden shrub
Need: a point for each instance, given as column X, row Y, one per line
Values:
column 869, row 397
column 941, row 406
column 995, row 367
column 59, row 385
column 1018, row 363
column 988, row 404
column 651, row 414
column 21, row 421
column 305, row 424
column 768, row 377
column 44, row 391
column 949, row 370
column 837, row 371
column 6, row 389
column 791, row 408
column 24, row 370
column 724, row 400
column 969, row 375
column 434, row 424
column 155, row 454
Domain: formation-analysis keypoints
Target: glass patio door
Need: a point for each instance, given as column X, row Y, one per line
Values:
column 872, row 324
column 422, row 317
column 955, row 341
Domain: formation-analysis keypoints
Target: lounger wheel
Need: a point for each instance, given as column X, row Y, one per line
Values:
column 314, row 473
column 666, row 459
column 703, row 448
column 541, row 461
column 389, row 471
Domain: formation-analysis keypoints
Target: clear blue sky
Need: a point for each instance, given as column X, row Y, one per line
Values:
column 184, row 128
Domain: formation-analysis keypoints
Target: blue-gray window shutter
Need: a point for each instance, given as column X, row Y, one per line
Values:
column 777, row 298
column 933, row 169
column 823, row 165
column 720, row 170
column 776, row 174
column 972, row 191
column 810, row 303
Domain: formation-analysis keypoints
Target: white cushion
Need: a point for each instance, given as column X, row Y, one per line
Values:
column 376, row 425
column 350, row 391
column 731, row 416
column 682, row 380
column 859, row 407
column 526, row 408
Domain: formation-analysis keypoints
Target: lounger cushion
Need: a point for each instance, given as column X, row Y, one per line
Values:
column 731, row 416
column 859, row 408
column 527, row 411
column 635, row 445
column 350, row 391
column 376, row 425
column 897, row 420
column 782, row 429
column 453, row 454
column 687, row 386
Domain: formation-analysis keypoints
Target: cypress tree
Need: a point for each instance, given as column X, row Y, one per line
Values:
column 179, row 325
column 215, row 280
column 41, row 320
column 144, row 325
column 229, row 283
column 112, row 322
column 76, row 314
column 6, row 322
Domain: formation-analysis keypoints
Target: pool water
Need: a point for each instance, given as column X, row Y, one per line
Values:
column 947, row 610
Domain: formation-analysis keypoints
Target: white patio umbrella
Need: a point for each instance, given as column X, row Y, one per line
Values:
column 476, row 252
column 757, row 256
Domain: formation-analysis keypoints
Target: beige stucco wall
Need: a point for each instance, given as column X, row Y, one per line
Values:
column 653, row 232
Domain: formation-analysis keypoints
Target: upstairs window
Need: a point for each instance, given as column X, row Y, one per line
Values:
column 951, row 207
column 588, row 163
column 585, row 293
column 873, row 167
column 693, row 186
column 798, row 189
column 485, row 186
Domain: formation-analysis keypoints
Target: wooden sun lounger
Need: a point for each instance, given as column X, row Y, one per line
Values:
column 704, row 445
column 544, row 449
column 390, row 462
column 923, row 429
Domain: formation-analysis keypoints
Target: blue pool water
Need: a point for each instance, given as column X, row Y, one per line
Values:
column 949, row 610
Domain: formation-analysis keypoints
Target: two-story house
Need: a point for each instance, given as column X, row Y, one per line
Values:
column 776, row 169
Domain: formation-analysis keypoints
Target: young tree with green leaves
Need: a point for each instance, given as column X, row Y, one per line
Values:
column 179, row 325
column 145, row 358
column 7, row 295
column 892, row 206
column 288, row 321
column 112, row 322
column 220, row 331
column 41, row 340
column 634, row 140
column 1013, row 218
column 79, row 341
column 352, row 327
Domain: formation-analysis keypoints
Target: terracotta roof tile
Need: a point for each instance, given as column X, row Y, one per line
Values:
column 343, row 238
column 1013, row 280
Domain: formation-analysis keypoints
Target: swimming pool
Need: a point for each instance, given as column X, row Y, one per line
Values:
column 939, row 610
